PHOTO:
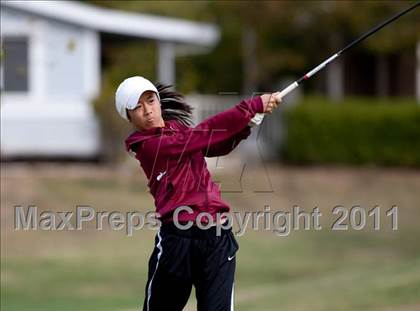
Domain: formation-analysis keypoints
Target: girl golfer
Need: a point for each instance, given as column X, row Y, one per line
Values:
column 171, row 153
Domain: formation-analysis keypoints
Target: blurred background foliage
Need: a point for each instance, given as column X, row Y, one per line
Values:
column 359, row 131
column 291, row 37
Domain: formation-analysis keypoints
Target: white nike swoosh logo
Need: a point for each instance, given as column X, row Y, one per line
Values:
column 159, row 177
column 231, row 257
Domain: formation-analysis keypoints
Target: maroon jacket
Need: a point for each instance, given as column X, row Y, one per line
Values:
column 173, row 159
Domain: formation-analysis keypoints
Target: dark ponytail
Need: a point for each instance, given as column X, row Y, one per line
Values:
column 174, row 106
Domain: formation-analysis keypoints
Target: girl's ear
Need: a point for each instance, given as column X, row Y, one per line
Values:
column 128, row 115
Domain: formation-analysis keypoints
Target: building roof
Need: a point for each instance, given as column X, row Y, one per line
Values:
column 122, row 23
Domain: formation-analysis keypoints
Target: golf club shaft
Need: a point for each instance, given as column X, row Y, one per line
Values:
column 258, row 117
column 361, row 38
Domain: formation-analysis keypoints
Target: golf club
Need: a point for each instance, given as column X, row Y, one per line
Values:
column 257, row 119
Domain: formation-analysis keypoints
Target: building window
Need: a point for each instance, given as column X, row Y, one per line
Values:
column 14, row 58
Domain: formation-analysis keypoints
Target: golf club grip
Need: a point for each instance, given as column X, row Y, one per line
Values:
column 287, row 90
column 258, row 118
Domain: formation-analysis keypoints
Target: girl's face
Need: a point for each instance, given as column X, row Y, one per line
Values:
column 147, row 113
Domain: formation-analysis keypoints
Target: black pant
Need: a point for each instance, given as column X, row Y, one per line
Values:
column 183, row 258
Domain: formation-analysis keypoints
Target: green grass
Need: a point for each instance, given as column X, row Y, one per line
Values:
column 324, row 272
column 307, row 270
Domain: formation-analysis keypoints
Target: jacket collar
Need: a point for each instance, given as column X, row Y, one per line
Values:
column 139, row 136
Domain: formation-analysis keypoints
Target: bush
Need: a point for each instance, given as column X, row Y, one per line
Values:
column 113, row 128
column 353, row 132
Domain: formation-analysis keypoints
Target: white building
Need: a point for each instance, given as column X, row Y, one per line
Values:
column 50, row 70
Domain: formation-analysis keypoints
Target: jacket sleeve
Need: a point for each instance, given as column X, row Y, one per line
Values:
column 225, row 147
column 209, row 133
